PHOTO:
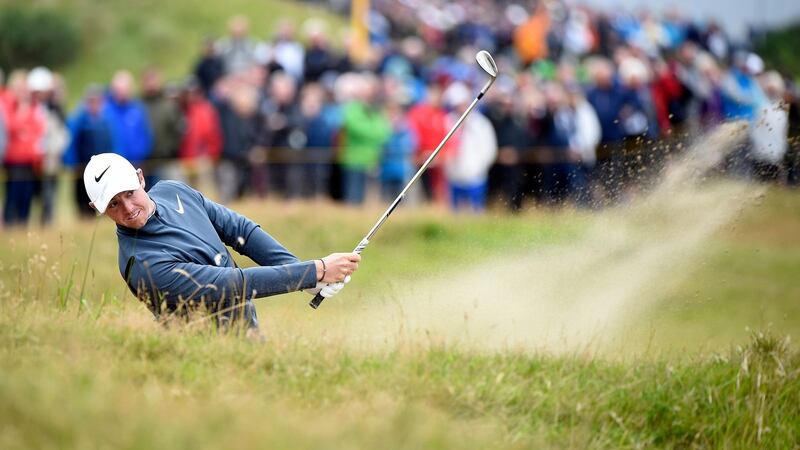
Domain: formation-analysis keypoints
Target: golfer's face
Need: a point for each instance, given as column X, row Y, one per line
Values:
column 130, row 208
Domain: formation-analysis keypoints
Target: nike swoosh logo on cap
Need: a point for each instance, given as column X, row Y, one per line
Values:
column 180, row 205
column 97, row 178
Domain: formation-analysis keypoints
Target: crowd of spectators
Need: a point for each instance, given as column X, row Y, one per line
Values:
column 586, row 109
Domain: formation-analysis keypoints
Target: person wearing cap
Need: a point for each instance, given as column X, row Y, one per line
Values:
column 41, row 84
column 172, row 252
column 741, row 94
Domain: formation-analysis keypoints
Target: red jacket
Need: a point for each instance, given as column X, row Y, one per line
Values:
column 203, row 137
column 25, row 129
column 431, row 125
column 664, row 89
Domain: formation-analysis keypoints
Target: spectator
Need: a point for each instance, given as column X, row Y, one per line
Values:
column 90, row 135
column 282, row 132
column 26, row 123
column 209, row 68
column 201, row 143
column 556, row 126
column 530, row 38
column 669, row 100
column 3, row 130
column 512, row 142
column 468, row 169
column 287, row 52
column 238, row 51
column 769, row 131
column 584, row 139
column 431, row 123
column 639, row 119
column 131, row 135
column 615, row 105
column 3, row 120
column 709, row 92
column 238, row 114
column 320, row 125
column 41, row 85
column 741, row 99
column 397, row 166
column 793, row 152
column 318, row 57
column 741, row 94
column 365, row 130
column 166, row 123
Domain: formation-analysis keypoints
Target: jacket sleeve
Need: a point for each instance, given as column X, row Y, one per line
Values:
column 174, row 282
column 246, row 237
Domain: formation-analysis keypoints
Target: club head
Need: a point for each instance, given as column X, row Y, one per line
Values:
column 487, row 63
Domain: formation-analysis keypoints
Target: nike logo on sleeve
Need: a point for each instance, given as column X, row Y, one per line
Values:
column 180, row 205
column 97, row 178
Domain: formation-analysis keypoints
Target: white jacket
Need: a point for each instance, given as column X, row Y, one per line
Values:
column 769, row 133
column 55, row 142
column 476, row 152
column 587, row 133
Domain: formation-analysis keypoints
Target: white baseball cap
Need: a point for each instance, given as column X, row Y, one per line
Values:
column 40, row 79
column 106, row 175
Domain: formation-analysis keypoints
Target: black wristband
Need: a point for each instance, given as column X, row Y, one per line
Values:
column 324, row 269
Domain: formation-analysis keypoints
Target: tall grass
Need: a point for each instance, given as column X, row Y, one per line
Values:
column 116, row 380
column 100, row 373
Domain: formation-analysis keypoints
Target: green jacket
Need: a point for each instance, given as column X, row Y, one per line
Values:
column 365, row 130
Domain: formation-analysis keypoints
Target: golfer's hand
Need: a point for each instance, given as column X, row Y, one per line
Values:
column 328, row 290
column 337, row 266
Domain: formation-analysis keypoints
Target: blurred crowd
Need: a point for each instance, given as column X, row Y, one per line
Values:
column 587, row 109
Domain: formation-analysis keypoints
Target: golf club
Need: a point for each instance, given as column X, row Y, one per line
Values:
column 488, row 65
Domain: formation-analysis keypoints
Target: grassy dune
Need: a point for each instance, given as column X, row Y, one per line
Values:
column 135, row 34
column 93, row 370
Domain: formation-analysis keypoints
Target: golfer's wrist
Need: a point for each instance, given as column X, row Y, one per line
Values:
column 321, row 269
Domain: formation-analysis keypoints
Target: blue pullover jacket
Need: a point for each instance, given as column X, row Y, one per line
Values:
column 131, row 134
column 179, row 255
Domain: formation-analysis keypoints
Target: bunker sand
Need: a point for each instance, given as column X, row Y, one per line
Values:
column 573, row 297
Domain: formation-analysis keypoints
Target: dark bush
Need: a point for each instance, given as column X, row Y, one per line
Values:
column 779, row 49
column 34, row 37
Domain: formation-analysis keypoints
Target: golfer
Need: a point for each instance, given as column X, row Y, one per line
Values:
column 172, row 250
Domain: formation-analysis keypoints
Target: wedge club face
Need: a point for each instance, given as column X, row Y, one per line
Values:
column 487, row 63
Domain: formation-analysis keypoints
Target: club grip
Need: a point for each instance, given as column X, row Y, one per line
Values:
column 314, row 303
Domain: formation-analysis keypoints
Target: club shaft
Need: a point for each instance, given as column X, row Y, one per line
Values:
column 421, row 170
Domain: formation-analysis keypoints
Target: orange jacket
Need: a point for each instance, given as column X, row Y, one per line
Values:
column 530, row 38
